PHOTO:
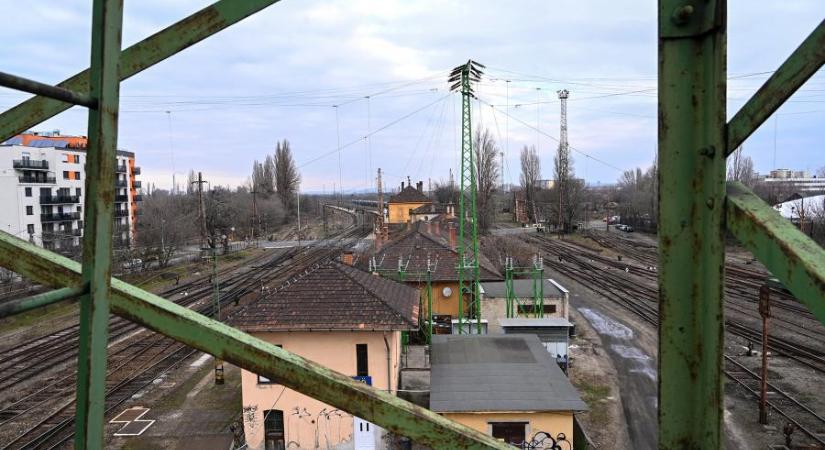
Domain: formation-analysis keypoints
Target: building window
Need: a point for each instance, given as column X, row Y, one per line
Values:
column 30, row 210
column 66, row 175
column 76, row 159
column 361, row 361
column 77, row 192
column 30, row 228
column 28, row 192
column 514, row 433
column 77, row 175
column 273, row 429
column 531, row 309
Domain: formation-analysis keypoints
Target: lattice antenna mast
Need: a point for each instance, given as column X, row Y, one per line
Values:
column 468, row 273
column 563, row 156
column 380, row 188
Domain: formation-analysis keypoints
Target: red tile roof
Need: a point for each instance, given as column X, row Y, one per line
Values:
column 410, row 195
column 334, row 297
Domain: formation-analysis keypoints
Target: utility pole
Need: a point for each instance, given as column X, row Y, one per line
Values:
column 216, row 309
column 765, row 312
column 254, row 210
column 468, row 272
column 202, row 209
column 501, row 154
column 564, row 156
column 298, row 195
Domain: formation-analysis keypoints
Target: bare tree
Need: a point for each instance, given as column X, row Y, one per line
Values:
column 530, row 173
column 637, row 196
column 487, row 174
column 740, row 168
column 444, row 193
column 286, row 177
column 167, row 223
column 263, row 177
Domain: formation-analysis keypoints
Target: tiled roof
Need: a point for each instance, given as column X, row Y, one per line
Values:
column 415, row 246
column 334, row 297
column 430, row 208
column 409, row 195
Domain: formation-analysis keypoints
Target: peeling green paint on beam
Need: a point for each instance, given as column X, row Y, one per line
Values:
column 791, row 75
column 789, row 254
column 390, row 412
column 21, row 305
column 135, row 59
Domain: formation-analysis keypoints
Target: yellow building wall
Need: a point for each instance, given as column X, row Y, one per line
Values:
column 552, row 423
column 400, row 212
column 441, row 303
column 333, row 349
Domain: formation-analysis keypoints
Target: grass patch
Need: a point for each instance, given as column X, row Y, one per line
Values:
column 595, row 395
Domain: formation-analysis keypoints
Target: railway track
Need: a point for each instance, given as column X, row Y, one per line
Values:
column 633, row 285
column 43, row 418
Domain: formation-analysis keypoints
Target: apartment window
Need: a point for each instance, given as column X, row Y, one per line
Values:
column 77, row 192
column 361, row 361
column 264, row 380
column 76, row 159
column 30, row 228
column 514, row 433
column 273, row 429
column 30, row 210
column 45, row 192
column 66, row 175
column 77, row 175
column 28, row 192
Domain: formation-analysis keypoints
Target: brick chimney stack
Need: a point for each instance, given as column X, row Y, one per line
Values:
column 453, row 237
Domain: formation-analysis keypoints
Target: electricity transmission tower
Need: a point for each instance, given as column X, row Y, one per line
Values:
column 563, row 156
column 468, row 273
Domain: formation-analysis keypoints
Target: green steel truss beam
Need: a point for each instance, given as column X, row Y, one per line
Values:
column 794, row 258
column 801, row 65
column 250, row 353
column 136, row 58
column 104, row 88
column 692, row 91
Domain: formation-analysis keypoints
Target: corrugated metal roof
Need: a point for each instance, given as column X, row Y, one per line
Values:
column 476, row 373
column 536, row 323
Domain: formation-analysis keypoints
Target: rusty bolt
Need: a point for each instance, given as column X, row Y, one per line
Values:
column 708, row 151
column 682, row 14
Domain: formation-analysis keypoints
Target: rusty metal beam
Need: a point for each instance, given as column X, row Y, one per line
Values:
column 691, row 173
column 21, row 305
column 794, row 258
column 135, row 59
column 35, row 87
column 224, row 342
column 791, row 75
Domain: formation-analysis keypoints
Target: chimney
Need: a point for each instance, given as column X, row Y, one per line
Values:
column 420, row 186
column 402, row 185
column 453, row 237
column 347, row 258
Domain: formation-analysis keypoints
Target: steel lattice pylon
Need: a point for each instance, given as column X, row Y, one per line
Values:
column 468, row 272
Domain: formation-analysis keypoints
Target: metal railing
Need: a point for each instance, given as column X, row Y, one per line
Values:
column 59, row 217
column 121, row 183
column 121, row 168
column 33, row 164
column 121, row 198
column 121, row 213
column 37, row 179
column 136, row 170
column 58, row 199
column 136, row 184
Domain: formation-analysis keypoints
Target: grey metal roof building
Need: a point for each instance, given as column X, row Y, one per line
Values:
column 474, row 373
column 522, row 288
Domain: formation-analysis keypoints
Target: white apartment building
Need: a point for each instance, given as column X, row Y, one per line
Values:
column 42, row 188
column 797, row 181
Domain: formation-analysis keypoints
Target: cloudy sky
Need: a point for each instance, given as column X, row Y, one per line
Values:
column 370, row 77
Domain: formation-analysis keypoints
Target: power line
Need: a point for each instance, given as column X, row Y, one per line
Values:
column 556, row 139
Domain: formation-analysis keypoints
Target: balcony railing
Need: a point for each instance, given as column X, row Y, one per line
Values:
column 58, row 217
column 121, row 198
column 33, row 164
column 58, row 199
column 136, row 170
column 77, row 232
column 121, row 183
column 136, row 184
column 36, row 179
column 121, row 168
column 121, row 213
column 138, row 198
